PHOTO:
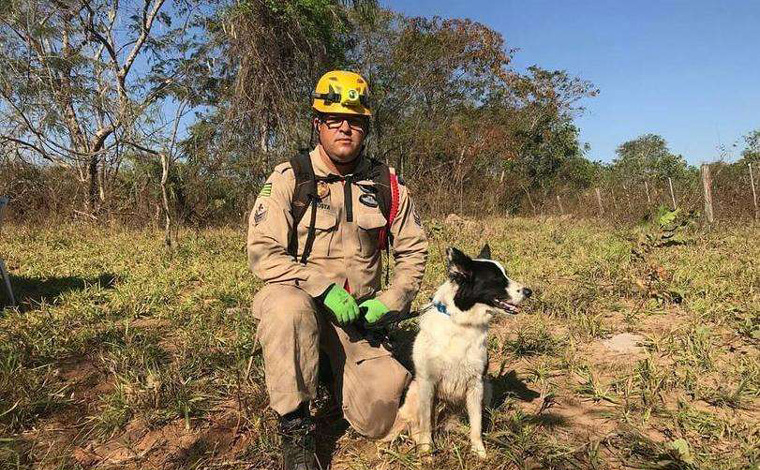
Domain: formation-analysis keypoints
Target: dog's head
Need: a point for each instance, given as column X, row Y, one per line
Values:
column 483, row 281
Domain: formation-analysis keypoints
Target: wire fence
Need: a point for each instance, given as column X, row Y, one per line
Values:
column 720, row 193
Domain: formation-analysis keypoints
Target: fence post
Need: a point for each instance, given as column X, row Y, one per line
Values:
column 599, row 201
column 754, row 194
column 672, row 195
column 707, row 188
column 614, row 201
column 559, row 202
column 649, row 199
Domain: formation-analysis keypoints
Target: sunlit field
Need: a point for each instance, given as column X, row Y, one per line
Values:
column 639, row 349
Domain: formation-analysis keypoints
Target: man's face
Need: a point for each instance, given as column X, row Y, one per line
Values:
column 342, row 135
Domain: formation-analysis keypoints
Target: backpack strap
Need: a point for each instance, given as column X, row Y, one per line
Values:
column 304, row 195
column 388, row 194
column 379, row 173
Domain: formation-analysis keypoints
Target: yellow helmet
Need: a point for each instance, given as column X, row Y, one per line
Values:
column 341, row 92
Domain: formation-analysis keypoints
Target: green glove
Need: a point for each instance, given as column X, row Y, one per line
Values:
column 341, row 304
column 375, row 310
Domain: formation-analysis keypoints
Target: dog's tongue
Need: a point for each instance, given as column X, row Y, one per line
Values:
column 506, row 306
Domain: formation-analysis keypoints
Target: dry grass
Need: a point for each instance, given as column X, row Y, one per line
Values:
column 122, row 355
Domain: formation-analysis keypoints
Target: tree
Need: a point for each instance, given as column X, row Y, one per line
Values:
column 751, row 152
column 448, row 100
column 648, row 157
column 450, row 113
column 547, row 103
column 70, row 92
column 275, row 51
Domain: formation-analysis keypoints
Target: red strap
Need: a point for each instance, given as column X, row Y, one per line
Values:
column 392, row 213
column 394, row 199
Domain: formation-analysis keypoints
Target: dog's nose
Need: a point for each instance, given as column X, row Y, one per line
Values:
column 527, row 292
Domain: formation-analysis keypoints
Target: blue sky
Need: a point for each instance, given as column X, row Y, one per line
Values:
column 687, row 70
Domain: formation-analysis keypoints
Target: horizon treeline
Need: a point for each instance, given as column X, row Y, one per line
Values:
column 177, row 112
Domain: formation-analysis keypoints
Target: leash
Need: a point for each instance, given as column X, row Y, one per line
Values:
column 379, row 332
column 392, row 318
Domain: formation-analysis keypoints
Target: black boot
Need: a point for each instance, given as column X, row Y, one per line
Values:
column 298, row 443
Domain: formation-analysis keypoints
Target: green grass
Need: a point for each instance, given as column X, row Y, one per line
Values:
column 124, row 355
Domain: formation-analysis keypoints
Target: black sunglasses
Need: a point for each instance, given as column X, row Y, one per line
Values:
column 354, row 122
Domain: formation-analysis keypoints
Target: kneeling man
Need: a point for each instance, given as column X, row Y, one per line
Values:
column 315, row 236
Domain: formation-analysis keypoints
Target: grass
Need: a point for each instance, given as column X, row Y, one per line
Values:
column 124, row 355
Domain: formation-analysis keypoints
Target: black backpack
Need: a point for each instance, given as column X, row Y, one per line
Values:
column 305, row 195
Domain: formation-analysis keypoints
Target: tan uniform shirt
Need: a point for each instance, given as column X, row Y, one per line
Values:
column 345, row 252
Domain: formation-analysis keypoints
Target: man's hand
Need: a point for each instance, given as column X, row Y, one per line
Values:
column 375, row 310
column 341, row 304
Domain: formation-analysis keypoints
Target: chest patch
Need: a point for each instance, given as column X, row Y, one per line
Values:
column 368, row 189
column 368, row 200
column 323, row 189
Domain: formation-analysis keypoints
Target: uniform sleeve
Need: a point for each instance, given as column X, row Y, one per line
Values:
column 269, row 226
column 410, row 251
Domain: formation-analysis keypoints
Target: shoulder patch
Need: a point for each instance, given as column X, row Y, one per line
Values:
column 260, row 215
column 266, row 190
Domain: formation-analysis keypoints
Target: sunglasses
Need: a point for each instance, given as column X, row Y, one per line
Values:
column 358, row 123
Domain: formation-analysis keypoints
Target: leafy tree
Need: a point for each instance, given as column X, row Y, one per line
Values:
column 751, row 152
column 448, row 99
column 81, row 82
column 450, row 112
column 274, row 53
column 648, row 157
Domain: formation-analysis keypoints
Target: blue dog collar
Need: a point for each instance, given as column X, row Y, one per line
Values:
column 441, row 308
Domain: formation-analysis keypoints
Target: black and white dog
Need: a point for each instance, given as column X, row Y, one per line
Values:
column 450, row 352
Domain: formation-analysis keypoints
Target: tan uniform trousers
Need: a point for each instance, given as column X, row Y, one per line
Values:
column 292, row 331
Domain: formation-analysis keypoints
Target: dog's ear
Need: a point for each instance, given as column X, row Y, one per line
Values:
column 485, row 253
column 459, row 264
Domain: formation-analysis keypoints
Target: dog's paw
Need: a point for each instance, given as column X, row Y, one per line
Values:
column 425, row 448
column 479, row 449
column 399, row 426
column 425, row 453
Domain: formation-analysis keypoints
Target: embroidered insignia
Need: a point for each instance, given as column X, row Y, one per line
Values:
column 260, row 214
column 323, row 206
column 266, row 190
column 323, row 189
column 368, row 189
column 368, row 200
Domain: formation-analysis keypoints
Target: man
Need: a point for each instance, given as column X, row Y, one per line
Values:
column 316, row 266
